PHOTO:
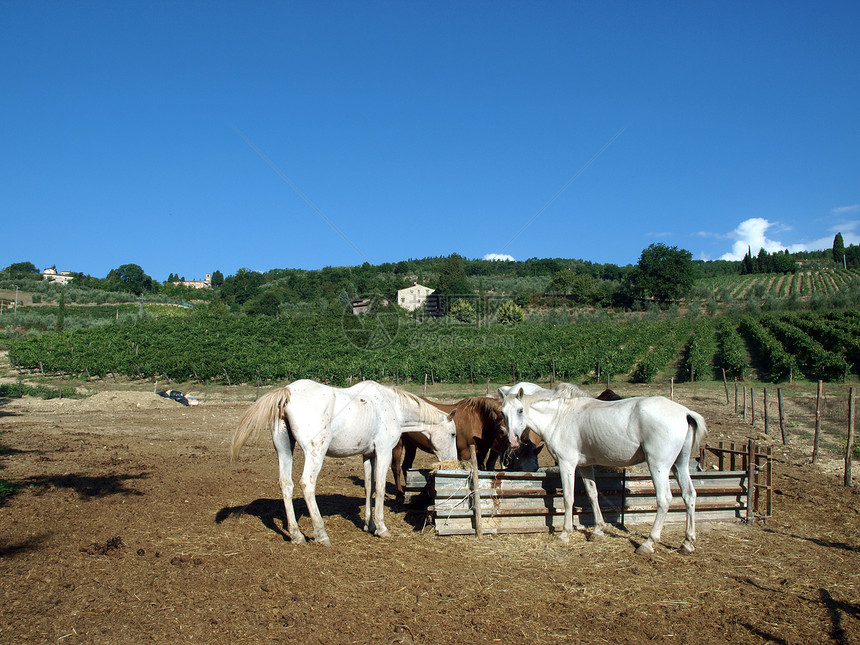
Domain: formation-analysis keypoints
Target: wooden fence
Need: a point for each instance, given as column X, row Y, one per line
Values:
column 517, row 502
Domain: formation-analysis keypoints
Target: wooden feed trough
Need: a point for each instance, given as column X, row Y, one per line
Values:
column 517, row 502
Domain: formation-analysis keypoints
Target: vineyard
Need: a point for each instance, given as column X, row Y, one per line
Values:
column 339, row 349
column 804, row 284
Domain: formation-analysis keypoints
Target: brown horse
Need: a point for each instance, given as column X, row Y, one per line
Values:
column 480, row 423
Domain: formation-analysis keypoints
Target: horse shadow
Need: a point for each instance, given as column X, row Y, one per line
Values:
column 825, row 543
column 86, row 486
column 32, row 543
column 273, row 516
column 836, row 609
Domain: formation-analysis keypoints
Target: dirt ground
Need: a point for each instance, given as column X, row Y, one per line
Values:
column 132, row 525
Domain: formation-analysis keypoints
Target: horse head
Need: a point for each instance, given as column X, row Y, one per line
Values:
column 443, row 436
column 525, row 456
column 514, row 413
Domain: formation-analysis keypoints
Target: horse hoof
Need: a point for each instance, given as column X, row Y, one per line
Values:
column 686, row 549
column 325, row 541
column 564, row 537
column 594, row 536
column 384, row 534
column 298, row 539
column 645, row 550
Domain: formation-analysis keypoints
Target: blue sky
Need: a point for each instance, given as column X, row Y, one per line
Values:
column 192, row 136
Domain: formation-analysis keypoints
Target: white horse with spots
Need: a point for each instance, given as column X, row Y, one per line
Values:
column 582, row 432
column 366, row 419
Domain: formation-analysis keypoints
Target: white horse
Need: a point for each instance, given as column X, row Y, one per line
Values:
column 584, row 432
column 365, row 419
column 560, row 389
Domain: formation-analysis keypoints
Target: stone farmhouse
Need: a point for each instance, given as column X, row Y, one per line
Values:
column 196, row 284
column 61, row 277
column 414, row 297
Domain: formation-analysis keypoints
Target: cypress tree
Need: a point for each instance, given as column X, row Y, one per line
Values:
column 838, row 249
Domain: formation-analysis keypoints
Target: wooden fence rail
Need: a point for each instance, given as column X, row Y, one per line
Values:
column 517, row 502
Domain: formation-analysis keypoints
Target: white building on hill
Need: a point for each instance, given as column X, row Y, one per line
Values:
column 196, row 284
column 61, row 277
column 413, row 297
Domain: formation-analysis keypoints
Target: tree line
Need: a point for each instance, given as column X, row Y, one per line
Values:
column 663, row 274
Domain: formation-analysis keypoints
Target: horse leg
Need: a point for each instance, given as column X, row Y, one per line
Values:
column 284, row 445
column 482, row 451
column 379, row 504
column 660, row 477
column 409, row 451
column 568, row 478
column 313, row 464
column 688, row 493
column 399, row 475
column 368, row 489
column 587, row 474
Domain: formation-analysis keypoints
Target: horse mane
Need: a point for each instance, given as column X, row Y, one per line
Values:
column 480, row 405
column 563, row 391
column 569, row 391
column 427, row 413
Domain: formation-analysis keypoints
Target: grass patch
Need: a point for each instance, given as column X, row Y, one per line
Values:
column 16, row 391
column 7, row 489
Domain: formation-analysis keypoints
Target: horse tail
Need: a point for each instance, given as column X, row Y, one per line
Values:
column 265, row 413
column 696, row 422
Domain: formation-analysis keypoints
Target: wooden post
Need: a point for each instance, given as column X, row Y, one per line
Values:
column 672, row 388
column 817, row 436
column 751, row 482
column 488, row 385
column 736, row 397
column 781, row 416
column 726, row 385
column 752, row 406
column 765, row 412
column 849, row 449
column 745, row 402
column 476, row 492
column 425, row 383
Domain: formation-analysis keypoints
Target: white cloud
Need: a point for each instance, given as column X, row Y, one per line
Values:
column 846, row 209
column 750, row 236
column 824, row 243
column 499, row 257
column 845, row 225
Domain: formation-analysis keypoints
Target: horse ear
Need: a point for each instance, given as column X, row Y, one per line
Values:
column 520, row 394
column 451, row 415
